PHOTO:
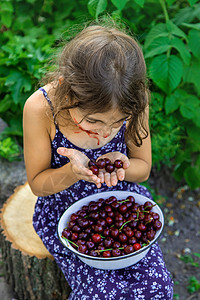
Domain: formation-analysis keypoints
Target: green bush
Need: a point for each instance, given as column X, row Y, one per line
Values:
column 169, row 33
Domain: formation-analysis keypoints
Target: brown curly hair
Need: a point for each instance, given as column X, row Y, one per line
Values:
column 100, row 68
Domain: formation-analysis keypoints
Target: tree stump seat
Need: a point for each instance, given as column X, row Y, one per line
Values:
column 28, row 267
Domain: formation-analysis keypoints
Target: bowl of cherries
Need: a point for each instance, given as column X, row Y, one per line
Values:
column 111, row 230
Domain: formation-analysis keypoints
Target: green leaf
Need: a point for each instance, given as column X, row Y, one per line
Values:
column 175, row 30
column 191, row 73
column 192, row 175
column 18, row 82
column 194, row 26
column 193, row 132
column 194, row 42
column 192, row 2
column 92, row 5
column 189, row 106
column 172, row 102
column 157, row 31
column 170, row 2
column 166, row 72
column 182, row 49
column 140, row 2
column 101, row 6
column 6, row 19
column 6, row 103
column 96, row 7
column 120, row 4
column 7, row 7
column 158, row 46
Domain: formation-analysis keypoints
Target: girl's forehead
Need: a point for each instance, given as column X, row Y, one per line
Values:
column 112, row 114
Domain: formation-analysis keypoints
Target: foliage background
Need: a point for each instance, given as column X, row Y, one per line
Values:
column 167, row 30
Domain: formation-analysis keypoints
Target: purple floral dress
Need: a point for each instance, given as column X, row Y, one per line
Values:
column 148, row 279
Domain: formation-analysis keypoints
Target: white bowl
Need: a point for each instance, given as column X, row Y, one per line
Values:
column 111, row 263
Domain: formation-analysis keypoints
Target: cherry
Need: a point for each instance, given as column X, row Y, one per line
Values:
column 114, row 232
column 115, row 204
column 93, row 253
column 101, row 163
column 109, row 220
column 123, row 208
column 136, row 246
column 83, row 235
column 108, row 242
column 80, row 242
column 95, row 170
column 142, row 227
column 132, row 240
column 82, row 248
column 93, row 207
column 106, row 254
column 118, row 164
column 129, row 249
column 109, row 168
column 150, row 234
column 98, row 228
column 116, row 252
column 116, row 244
column 66, row 233
column 91, row 163
column 122, row 238
column 131, row 199
column 157, row 224
column 101, row 222
column 74, row 217
column 76, row 228
column 148, row 205
column 107, row 161
column 96, row 238
column 74, row 236
column 106, row 232
column 83, row 223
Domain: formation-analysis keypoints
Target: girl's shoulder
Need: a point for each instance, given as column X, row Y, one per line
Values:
column 37, row 108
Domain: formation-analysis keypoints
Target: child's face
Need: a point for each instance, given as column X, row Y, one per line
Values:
column 101, row 124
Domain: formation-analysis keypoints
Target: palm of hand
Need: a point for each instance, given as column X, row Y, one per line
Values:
column 118, row 174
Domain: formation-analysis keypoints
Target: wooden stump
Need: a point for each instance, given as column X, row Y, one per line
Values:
column 28, row 266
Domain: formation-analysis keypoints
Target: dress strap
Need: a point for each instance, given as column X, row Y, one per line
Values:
column 50, row 103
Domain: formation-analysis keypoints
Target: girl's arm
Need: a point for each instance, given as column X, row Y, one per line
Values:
column 42, row 179
column 140, row 158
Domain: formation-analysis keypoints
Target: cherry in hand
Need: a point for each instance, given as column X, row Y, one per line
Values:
column 104, row 163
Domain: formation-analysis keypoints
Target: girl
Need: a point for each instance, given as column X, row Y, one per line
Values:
column 94, row 105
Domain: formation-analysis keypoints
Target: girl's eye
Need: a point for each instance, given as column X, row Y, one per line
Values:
column 91, row 122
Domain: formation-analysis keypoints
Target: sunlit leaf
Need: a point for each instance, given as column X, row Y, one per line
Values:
column 120, row 4
column 166, row 72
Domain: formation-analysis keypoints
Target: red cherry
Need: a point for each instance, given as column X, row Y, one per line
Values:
column 136, row 246
column 129, row 249
column 107, row 161
column 101, row 163
column 66, row 233
column 95, row 170
column 110, row 168
column 91, row 162
column 106, row 254
column 118, row 163
column 96, row 238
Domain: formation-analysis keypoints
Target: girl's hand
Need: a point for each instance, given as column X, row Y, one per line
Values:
column 118, row 174
column 79, row 165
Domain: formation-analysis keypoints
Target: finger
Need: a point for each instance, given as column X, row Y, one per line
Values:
column 113, row 179
column 107, row 179
column 66, row 152
column 121, row 174
column 101, row 177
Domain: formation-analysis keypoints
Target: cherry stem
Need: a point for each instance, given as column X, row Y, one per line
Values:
column 69, row 241
column 103, row 237
column 102, row 250
column 124, row 224
column 123, row 201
